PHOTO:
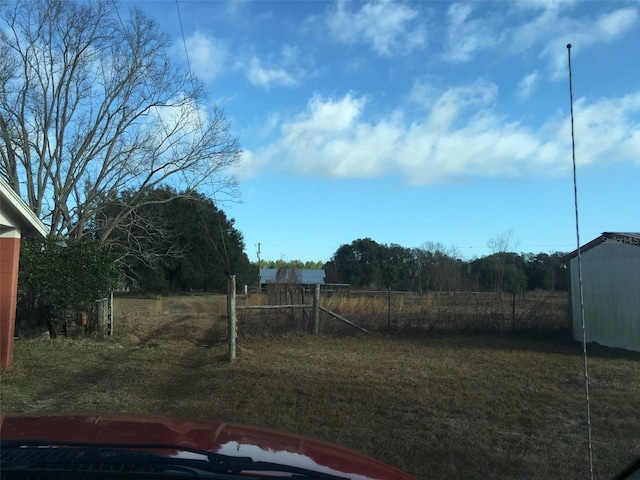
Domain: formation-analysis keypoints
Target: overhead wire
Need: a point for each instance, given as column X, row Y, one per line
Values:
column 225, row 259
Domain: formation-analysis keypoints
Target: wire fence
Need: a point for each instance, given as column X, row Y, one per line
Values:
column 538, row 312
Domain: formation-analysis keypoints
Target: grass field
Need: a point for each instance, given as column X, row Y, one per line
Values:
column 437, row 406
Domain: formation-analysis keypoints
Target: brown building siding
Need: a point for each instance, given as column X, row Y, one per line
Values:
column 9, row 256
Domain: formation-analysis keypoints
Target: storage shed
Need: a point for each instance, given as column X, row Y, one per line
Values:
column 611, row 290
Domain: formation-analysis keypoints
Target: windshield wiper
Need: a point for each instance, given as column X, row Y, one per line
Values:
column 107, row 459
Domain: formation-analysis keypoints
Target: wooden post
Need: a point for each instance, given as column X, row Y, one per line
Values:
column 231, row 317
column 304, row 312
column 111, row 313
column 103, row 316
column 316, row 309
column 513, row 313
column 389, row 309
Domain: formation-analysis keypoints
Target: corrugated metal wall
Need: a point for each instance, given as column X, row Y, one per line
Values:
column 611, row 285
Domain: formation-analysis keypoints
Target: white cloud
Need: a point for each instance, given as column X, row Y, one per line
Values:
column 390, row 28
column 611, row 25
column 329, row 115
column 467, row 36
column 546, row 5
column 285, row 68
column 527, row 85
column 265, row 77
column 459, row 135
column 607, row 130
column 207, row 56
column 448, row 107
column 249, row 165
column 329, row 139
column 336, row 142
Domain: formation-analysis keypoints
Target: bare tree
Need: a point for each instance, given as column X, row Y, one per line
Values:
column 91, row 105
column 500, row 245
column 440, row 267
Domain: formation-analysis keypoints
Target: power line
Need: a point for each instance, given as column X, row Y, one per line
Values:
column 225, row 259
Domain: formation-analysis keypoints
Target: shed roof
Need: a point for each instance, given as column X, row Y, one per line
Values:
column 285, row 275
column 627, row 238
column 15, row 214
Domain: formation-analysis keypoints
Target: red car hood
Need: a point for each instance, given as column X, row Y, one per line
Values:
column 225, row 438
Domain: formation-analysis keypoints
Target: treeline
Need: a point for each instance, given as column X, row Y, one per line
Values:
column 175, row 242
column 292, row 264
column 367, row 264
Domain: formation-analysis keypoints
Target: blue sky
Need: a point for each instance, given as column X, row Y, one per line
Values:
column 414, row 122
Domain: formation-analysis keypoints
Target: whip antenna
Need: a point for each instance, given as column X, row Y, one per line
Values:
column 584, row 334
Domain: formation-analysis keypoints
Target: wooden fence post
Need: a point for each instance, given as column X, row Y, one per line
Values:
column 103, row 316
column 513, row 313
column 389, row 308
column 111, row 315
column 316, row 309
column 231, row 317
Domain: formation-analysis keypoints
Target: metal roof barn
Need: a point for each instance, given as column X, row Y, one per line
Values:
column 291, row 276
column 611, row 290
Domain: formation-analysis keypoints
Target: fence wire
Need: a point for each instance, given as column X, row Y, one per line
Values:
column 537, row 312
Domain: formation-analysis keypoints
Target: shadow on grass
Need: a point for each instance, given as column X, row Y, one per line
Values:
column 115, row 374
column 561, row 344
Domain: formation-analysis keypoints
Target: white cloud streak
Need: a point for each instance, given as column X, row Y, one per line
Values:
column 467, row 36
column 389, row 28
column 265, row 77
column 584, row 33
column 284, row 69
column 551, row 26
column 527, row 85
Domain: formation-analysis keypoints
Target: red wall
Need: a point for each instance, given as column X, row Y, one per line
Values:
column 9, row 255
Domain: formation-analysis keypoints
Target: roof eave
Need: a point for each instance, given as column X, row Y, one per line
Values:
column 21, row 208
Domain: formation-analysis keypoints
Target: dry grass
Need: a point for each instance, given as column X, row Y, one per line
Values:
column 436, row 406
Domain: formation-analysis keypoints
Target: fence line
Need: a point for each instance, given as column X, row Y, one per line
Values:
column 232, row 308
column 457, row 311
column 480, row 312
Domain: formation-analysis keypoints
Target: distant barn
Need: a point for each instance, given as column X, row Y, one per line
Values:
column 286, row 276
column 611, row 287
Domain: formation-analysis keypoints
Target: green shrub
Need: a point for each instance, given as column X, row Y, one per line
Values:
column 62, row 277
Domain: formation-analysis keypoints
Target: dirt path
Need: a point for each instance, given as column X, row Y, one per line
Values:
column 197, row 319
